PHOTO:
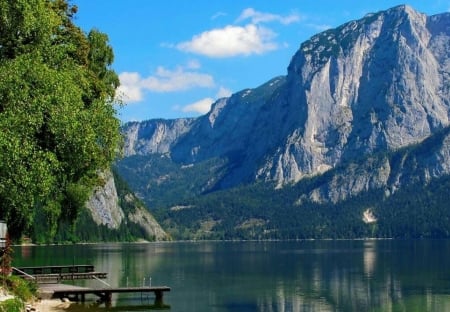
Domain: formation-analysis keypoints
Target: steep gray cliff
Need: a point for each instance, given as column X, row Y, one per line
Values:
column 379, row 83
column 105, row 209
column 104, row 204
column 373, row 85
column 155, row 136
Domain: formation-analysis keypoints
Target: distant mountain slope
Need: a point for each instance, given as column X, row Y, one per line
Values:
column 370, row 87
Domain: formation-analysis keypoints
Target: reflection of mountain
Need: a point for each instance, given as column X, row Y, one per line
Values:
column 273, row 276
column 387, row 303
column 313, row 276
column 359, row 282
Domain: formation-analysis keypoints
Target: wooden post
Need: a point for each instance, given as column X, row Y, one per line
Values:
column 107, row 297
column 159, row 302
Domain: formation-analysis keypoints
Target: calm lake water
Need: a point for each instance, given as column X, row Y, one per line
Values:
column 386, row 275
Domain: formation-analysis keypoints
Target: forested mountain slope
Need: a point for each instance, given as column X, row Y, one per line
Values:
column 359, row 122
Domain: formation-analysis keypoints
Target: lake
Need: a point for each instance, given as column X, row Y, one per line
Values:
column 270, row 276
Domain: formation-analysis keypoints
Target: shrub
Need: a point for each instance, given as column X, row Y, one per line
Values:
column 12, row 305
column 22, row 289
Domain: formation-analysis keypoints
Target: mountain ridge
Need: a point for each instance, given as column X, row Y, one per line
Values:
column 375, row 85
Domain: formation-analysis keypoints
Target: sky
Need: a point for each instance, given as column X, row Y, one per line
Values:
column 175, row 58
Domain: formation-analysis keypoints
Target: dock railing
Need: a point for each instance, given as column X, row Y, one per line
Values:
column 23, row 273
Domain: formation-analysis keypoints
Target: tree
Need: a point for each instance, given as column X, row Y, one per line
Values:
column 58, row 125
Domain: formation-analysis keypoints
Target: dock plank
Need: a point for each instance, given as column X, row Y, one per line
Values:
column 104, row 293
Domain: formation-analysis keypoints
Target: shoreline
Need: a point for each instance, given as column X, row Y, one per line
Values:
column 50, row 305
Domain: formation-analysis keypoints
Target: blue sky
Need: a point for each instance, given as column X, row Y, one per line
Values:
column 175, row 57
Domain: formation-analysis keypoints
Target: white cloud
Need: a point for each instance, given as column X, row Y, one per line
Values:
column 130, row 89
column 193, row 64
column 203, row 106
column 236, row 40
column 166, row 80
column 132, row 85
column 223, row 92
column 218, row 14
column 231, row 41
column 261, row 17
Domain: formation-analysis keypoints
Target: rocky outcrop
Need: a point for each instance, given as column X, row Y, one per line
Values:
column 105, row 209
column 104, row 204
column 146, row 221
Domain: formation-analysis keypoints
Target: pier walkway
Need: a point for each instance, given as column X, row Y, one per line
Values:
column 77, row 293
column 49, row 277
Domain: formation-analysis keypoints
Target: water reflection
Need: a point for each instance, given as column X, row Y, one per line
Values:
column 270, row 276
column 369, row 257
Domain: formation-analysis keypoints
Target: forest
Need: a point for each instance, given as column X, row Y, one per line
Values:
column 196, row 210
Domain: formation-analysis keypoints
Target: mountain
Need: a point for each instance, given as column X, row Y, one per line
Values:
column 364, row 109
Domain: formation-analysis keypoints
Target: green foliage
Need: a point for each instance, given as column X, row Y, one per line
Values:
column 162, row 182
column 21, row 288
column 417, row 211
column 57, row 120
column 12, row 305
column 84, row 229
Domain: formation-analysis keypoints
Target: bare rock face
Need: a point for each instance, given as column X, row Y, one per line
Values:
column 154, row 136
column 373, row 85
column 105, row 210
column 104, row 204
column 148, row 224
column 369, row 85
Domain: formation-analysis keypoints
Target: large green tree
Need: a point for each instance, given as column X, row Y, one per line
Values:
column 58, row 125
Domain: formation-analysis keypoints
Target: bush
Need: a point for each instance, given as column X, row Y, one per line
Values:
column 22, row 289
column 12, row 305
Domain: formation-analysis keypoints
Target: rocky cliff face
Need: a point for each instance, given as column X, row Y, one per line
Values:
column 104, row 204
column 155, row 136
column 374, row 85
column 106, row 210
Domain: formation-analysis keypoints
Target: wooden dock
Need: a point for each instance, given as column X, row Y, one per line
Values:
column 76, row 293
column 49, row 277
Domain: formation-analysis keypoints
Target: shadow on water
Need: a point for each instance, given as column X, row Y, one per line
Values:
column 127, row 304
